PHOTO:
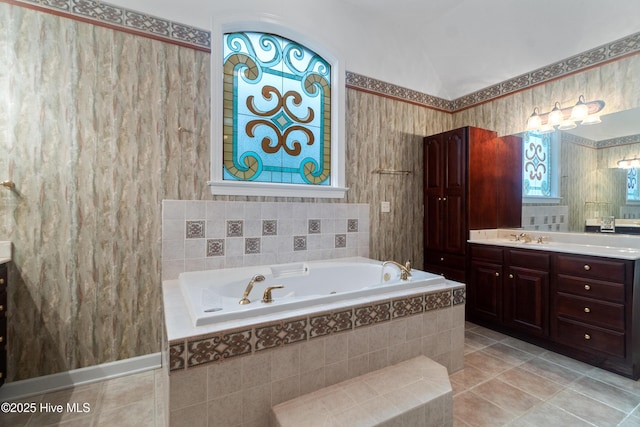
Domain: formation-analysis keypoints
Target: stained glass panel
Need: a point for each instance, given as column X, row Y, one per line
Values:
column 277, row 111
column 537, row 172
column 633, row 191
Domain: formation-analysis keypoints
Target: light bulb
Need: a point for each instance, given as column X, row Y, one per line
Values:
column 555, row 116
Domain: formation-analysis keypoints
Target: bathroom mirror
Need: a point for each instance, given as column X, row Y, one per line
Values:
column 592, row 185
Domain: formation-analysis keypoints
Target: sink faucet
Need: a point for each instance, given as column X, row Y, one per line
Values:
column 525, row 237
column 267, row 293
column 245, row 296
column 405, row 270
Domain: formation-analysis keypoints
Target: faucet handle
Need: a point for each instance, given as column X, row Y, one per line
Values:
column 266, row 298
column 407, row 265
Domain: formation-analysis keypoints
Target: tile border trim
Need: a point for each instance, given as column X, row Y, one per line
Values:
column 196, row 351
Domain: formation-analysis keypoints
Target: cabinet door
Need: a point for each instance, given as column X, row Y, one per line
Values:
column 485, row 291
column 454, row 192
column 433, row 229
column 527, row 300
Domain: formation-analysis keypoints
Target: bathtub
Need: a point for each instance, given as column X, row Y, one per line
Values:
column 213, row 296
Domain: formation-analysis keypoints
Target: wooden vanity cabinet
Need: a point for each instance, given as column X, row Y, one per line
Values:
column 3, row 323
column 472, row 180
column 526, row 291
column 592, row 309
column 509, row 287
column 577, row 305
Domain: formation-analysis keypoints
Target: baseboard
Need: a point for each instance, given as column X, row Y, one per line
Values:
column 48, row 383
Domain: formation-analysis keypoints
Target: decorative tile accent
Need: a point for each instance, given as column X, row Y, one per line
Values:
column 176, row 357
column 299, row 243
column 370, row 314
column 407, row 306
column 352, row 225
column 234, row 228
column 215, row 247
column 147, row 23
column 459, row 296
column 269, row 227
column 215, row 348
column 195, row 230
column 281, row 333
column 252, row 245
column 437, row 300
column 314, row 226
column 341, row 240
column 330, row 323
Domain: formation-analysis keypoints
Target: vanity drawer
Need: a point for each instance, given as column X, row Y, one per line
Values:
column 592, row 268
column 444, row 259
column 486, row 253
column 591, row 288
column 587, row 310
column 590, row 338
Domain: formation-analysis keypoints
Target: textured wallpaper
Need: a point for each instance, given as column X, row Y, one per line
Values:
column 89, row 133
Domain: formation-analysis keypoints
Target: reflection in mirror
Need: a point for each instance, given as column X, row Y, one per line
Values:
column 591, row 184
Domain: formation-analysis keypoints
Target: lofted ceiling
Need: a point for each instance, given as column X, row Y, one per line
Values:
column 445, row 48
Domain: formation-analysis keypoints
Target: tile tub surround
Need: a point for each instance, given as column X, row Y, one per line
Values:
column 205, row 235
column 234, row 376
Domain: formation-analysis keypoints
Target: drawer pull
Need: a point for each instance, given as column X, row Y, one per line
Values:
column 511, row 276
column 1, row 281
column 587, row 310
column 1, row 307
column 587, row 336
column 587, row 287
column 441, row 258
column 497, row 274
column 1, row 339
column 587, row 267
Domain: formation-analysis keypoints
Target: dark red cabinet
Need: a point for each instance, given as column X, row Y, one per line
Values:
column 470, row 182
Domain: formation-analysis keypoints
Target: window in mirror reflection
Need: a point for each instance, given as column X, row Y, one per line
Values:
column 540, row 165
column 633, row 194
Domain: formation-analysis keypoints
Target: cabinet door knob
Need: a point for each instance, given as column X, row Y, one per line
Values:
column 587, row 310
column 511, row 276
column 1, row 339
column 587, row 267
column 587, row 287
column 441, row 258
column 1, row 281
column 1, row 307
column 497, row 274
column 444, row 199
column 587, row 336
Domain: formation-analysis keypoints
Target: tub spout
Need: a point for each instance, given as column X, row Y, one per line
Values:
column 267, row 293
column 405, row 270
column 245, row 296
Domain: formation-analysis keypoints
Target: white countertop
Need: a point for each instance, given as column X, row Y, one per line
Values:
column 610, row 246
column 5, row 251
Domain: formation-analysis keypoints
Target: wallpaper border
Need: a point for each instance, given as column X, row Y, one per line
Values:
column 119, row 18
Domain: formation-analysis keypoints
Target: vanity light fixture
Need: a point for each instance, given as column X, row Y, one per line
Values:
column 629, row 163
column 565, row 118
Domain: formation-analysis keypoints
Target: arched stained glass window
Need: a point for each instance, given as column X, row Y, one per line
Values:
column 277, row 111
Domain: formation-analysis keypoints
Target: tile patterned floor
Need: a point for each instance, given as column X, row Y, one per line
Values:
column 134, row 400
column 507, row 382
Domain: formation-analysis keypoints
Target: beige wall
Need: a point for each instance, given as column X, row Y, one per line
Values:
column 89, row 135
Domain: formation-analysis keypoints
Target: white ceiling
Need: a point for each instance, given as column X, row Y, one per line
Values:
column 445, row 48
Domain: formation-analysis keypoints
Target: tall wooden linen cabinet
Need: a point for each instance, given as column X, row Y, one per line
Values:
column 472, row 181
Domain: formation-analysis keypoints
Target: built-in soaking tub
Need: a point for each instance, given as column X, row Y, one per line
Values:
column 213, row 296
